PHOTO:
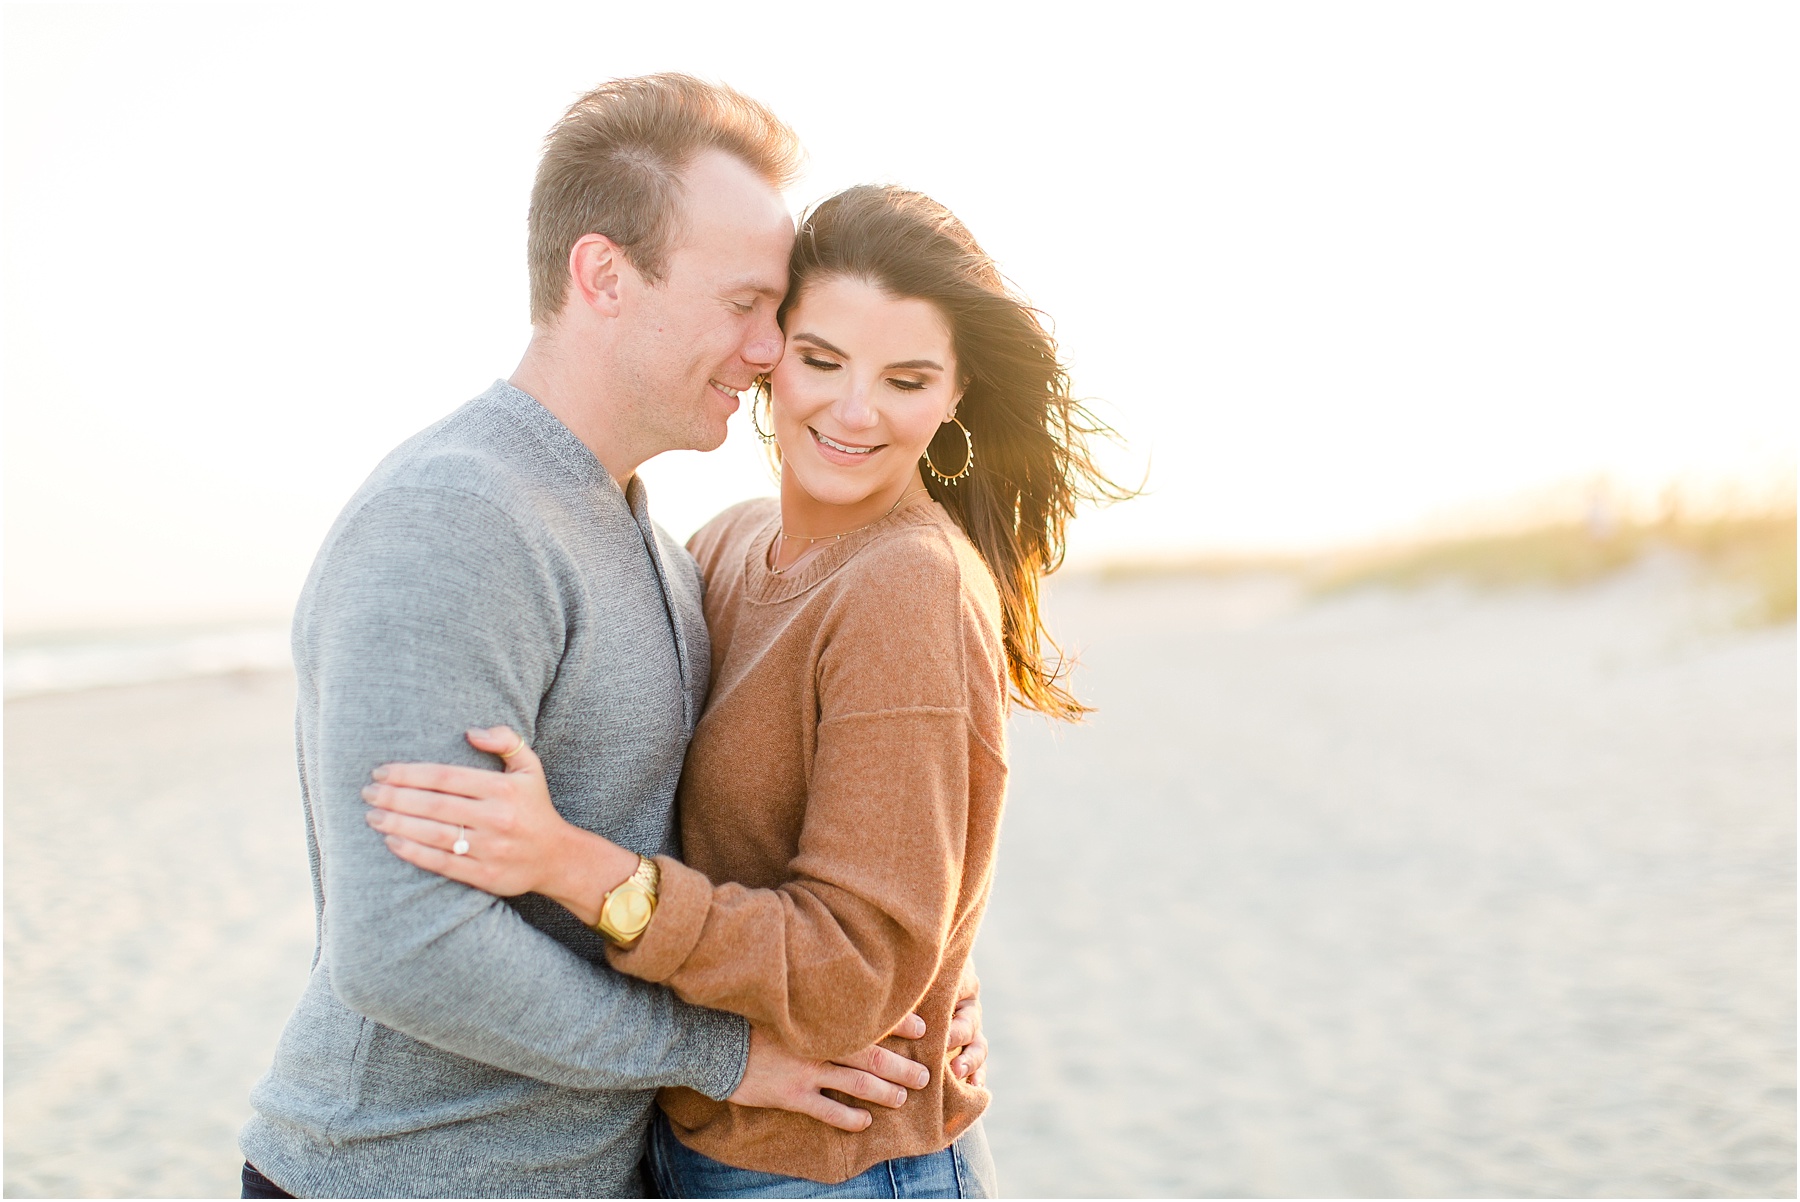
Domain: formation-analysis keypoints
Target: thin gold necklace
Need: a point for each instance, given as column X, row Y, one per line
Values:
column 781, row 534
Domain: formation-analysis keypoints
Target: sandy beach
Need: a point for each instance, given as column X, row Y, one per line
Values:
column 1410, row 894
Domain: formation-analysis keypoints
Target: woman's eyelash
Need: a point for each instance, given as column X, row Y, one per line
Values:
column 828, row 365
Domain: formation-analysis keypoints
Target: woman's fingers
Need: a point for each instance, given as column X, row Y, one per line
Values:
column 443, row 778
column 864, row 1085
column 506, row 743
column 889, row 1066
column 510, row 821
column 440, row 835
column 469, row 870
column 480, row 784
column 431, row 859
column 445, row 807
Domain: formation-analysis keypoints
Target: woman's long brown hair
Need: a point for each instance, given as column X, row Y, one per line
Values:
column 1032, row 463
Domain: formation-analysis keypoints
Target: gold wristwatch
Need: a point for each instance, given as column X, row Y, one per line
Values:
column 627, row 910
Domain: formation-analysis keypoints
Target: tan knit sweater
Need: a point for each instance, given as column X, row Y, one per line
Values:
column 839, row 811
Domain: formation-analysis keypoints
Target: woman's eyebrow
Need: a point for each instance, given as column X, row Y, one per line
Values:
column 820, row 343
column 934, row 366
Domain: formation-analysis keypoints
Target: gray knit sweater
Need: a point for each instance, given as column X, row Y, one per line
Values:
column 449, row 1042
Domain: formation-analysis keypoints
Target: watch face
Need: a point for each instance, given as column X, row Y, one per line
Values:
column 628, row 910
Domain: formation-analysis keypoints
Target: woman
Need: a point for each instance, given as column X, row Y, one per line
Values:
column 841, row 797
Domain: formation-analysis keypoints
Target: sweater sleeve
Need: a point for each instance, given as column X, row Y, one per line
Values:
column 831, row 960
column 430, row 613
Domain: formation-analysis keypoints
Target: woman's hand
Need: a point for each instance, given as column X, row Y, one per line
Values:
column 513, row 839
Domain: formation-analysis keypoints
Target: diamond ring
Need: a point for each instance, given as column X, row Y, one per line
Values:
column 461, row 846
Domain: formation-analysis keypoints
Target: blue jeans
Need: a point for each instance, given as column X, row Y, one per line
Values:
column 258, row 1186
column 963, row 1170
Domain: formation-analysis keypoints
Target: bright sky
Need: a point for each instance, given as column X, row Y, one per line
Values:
column 1329, row 268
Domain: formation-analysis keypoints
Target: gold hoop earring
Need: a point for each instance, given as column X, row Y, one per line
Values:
column 968, row 464
column 761, row 392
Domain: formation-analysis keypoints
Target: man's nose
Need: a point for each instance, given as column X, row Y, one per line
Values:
column 763, row 351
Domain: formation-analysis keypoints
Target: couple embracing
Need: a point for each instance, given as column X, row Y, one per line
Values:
column 520, row 700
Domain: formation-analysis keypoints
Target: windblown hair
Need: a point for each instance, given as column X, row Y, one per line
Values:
column 613, row 166
column 1032, row 461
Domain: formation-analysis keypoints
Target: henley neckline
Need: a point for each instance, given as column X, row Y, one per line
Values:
column 568, row 449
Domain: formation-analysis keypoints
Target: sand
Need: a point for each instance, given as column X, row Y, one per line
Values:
column 1391, row 894
column 158, row 930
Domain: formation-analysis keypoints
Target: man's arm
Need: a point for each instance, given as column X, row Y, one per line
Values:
column 430, row 614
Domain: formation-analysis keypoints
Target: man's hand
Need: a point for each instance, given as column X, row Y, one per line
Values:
column 777, row 1079
column 968, row 1046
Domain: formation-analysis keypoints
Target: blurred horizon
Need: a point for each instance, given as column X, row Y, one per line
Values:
column 1596, row 502
column 1339, row 277
column 1738, row 545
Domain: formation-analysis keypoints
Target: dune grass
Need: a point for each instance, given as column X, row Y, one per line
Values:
column 1754, row 551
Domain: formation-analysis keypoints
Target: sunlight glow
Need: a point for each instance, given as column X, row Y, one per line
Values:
column 1329, row 269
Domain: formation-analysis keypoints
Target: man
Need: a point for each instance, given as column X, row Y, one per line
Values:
column 501, row 568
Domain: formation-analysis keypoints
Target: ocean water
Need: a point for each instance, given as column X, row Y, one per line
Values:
column 70, row 662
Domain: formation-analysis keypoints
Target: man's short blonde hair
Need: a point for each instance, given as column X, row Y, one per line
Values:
column 613, row 166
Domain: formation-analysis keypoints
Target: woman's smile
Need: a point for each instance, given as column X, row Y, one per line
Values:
column 837, row 451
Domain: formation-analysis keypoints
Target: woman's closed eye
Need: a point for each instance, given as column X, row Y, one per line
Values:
column 821, row 364
column 909, row 385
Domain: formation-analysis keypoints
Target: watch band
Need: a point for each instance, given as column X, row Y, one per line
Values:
column 648, row 874
column 626, row 910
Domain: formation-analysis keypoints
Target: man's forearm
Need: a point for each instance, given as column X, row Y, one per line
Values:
column 401, row 649
column 495, row 989
column 464, row 971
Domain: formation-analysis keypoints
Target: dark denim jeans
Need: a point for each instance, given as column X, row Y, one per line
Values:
column 258, row 1186
column 963, row 1170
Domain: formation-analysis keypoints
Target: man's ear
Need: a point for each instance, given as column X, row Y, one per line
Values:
column 595, row 262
